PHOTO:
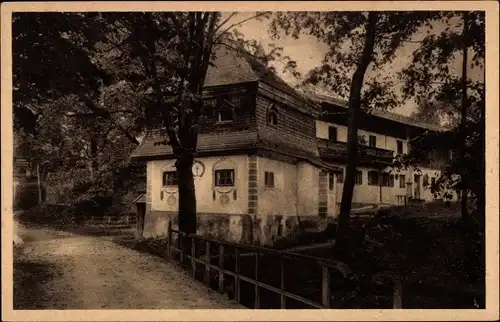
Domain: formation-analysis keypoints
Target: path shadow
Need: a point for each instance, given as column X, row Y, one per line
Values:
column 29, row 278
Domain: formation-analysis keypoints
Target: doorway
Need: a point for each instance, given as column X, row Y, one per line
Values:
column 332, row 197
column 417, row 181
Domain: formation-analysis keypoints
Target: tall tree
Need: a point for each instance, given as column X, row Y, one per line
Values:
column 463, row 116
column 435, row 77
column 54, row 57
column 58, row 72
column 168, row 54
column 357, row 42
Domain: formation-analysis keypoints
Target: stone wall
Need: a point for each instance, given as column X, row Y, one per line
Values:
column 244, row 229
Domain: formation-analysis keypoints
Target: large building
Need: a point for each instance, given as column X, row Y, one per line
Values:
column 269, row 156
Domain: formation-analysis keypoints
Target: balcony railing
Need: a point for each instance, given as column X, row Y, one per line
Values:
column 338, row 150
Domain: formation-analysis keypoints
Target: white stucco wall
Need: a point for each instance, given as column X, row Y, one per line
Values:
column 308, row 188
column 369, row 194
column 204, row 186
column 382, row 141
column 282, row 199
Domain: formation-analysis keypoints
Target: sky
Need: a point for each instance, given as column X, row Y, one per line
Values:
column 308, row 52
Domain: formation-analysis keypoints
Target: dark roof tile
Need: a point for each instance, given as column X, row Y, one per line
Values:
column 207, row 142
column 378, row 113
column 229, row 68
column 232, row 67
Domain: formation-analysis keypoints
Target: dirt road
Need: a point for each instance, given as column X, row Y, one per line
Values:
column 59, row 270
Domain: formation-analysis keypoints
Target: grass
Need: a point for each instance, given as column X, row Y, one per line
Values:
column 424, row 249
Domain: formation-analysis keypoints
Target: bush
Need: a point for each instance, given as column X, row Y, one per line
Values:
column 26, row 195
column 49, row 215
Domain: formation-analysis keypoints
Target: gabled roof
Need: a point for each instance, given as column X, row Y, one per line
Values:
column 207, row 142
column 215, row 143
column 320, row 98
column 229, row 68
column 233, row 66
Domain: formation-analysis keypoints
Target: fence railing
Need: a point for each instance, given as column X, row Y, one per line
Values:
column 186, row 247
column 339, row 150
column 111, row 220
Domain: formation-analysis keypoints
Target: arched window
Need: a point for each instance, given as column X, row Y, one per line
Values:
column 272, row 116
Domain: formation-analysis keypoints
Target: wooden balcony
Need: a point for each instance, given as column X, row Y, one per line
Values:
column 337, row 151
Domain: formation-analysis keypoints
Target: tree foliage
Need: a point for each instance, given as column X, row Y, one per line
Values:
column 357, row 42
column 102, row 78
column 437, row 86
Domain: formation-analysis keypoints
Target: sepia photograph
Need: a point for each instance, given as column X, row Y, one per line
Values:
column 249, row 160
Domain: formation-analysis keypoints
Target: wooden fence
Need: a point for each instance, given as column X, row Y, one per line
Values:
column 111, row 221
column 186, row 248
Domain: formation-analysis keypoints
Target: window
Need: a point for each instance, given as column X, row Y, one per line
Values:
column 170, row 178
column 373, row 178
column 359, row 177
column 402, row 181
column 362, row 140
column 332, row 133
column 399, row 144
column 372, row 141
column 387, row 180
column 340, row 176
column 224, row 177
column 272, row 116
column 269, row 179
column 433, row 182
column 331, row 181
column 226, row 115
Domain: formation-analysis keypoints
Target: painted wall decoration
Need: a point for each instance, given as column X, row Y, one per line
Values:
column 224, row 199
column 171, row 200
column 198, row 169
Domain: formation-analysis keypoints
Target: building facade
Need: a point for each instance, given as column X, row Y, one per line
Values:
column 269, row 157
column 382, row 137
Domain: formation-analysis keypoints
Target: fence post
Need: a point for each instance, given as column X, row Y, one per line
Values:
column 283, row 297
column 193, row 256
column 325, row 287
column 221, row 265
column 237, row 271
column 169, row 241
column 398, row 294
column 257, row 290
column 207, row 262
column 180, row 244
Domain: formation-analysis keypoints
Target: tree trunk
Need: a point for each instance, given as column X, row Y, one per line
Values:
column 187, row 200
column 352, row 134
column 187, row 197
column 463, row 121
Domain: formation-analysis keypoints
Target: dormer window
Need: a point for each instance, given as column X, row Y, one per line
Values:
column 225, row 115
column 272, row 116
